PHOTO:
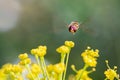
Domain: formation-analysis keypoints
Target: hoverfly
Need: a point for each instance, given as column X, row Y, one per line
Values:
column 73, row 26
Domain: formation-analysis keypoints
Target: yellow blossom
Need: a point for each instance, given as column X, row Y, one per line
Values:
column 36, row 69
column 111, row 73
column 59, row 68
column 23, row 56
column 50, row 68
column 90, row 61
column 69, row 43
column 91, row 52
column 34, row 51
column 3, row 76
column 51, row 72
column 40, row 51
column 30, row 76
column 16, row 69
column 42, row 48
column 25, row 61
column 34, row 72
column 90, row 57
column 63, row 49
column 20, row 78
column 7, row 68
column 84, row 75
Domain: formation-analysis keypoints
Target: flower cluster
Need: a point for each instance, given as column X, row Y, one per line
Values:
column 64, row 49
column 89, row 58
column 13, row 72
column 111, row 74
column 40, row 51
column 24, row 60
column 25, row 69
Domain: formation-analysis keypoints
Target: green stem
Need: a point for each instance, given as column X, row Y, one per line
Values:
column 44, row 64
column 105, row 79
column 37, row 59
column 63, row 57
column 38, row 77
column 28, row 68
column 84, row 68
column 117, row 77
column 66, row 66
column 40, row 65
column 62, row 61
column 44, row 68
column 60, row 76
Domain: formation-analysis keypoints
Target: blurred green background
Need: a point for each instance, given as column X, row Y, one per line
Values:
column 25, row 24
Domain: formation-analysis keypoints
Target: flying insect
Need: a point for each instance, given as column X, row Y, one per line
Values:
column 73, row 27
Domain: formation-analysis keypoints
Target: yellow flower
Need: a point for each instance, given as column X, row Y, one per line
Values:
column 3, row 76
column 51, row 72
column 36, row 69
column 16, row 69
column 63, row 49
column 34, row 72
column 111, row 73
column 34, row 51
column 40, row 51
column 91, row 52
column 90, row 61
column 69, row 44
column 23, row 56
column 42, row 48
column 50, row 68
column 84, row 75
column 31, row 76
column 12, row 68
column 25, row 61
column 90, row 56
column 59, row 68
column 7, row 68
column 20, row 78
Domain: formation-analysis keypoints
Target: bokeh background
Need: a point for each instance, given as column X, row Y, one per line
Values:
column 25, row 24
